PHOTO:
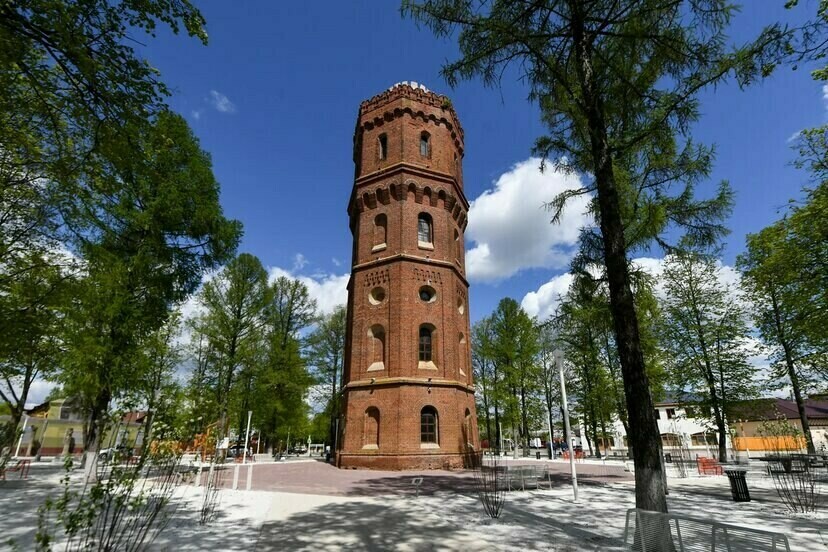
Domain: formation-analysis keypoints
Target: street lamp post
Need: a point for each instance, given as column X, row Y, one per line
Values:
column 246, row 437
column 559, row 360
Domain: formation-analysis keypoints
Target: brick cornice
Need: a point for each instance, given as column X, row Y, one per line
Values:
column 415, row 171
column 424, row 382
column 411, row 258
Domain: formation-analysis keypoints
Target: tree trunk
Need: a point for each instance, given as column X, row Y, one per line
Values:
column 791, row 367
column 650, row 490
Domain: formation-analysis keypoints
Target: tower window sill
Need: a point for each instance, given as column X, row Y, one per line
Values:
column 425, row 245
column 429, row 446
column 370, row 447
column 377, row 366
column 426, row 365
column 379, row 247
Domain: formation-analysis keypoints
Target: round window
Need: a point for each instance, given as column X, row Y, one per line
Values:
column 376, row 296
column 428, row 294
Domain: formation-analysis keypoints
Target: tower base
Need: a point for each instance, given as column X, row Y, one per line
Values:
column 400, row 462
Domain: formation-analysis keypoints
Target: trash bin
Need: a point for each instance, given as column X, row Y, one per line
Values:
column 738, row 484
column 537, row 455
column 668, row 458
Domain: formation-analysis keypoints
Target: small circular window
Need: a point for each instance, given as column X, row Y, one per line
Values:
column 428, row 294
column 376, row 296
column 461, row 305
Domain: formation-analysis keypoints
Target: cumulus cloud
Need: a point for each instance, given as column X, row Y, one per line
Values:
column 510, row 229
column 220, row 102
column 545, row 300
column 329, row 290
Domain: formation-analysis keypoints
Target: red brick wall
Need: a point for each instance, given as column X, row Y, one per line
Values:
column 401, row 187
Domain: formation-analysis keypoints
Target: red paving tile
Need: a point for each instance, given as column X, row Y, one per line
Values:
column 319, row 478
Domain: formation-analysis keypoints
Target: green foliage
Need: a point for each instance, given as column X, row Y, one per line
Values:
column 31, row 316
column 326, row 353
column 121, row 509
column 706, row 333
column 248, row 352
column 787, row 308
column 508, row 340
column 148, row 222
column 617, row 85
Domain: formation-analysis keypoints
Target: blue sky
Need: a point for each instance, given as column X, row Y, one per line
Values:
column 274, row 98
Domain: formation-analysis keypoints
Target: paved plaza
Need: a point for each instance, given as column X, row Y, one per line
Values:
column 308, row 505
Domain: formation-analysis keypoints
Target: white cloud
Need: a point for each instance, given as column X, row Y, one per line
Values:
column 196, row 113
column 336, row 262
column 221, row 102
column 793, row 137
column 543, row 302
column 511, row 229
column 38, row 392
column 299, row 262
column 329, row 290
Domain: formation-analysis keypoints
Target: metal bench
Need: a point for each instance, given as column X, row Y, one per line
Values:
column 22, row 467
column 708, row 466
column 647, row 531
column 520, row 477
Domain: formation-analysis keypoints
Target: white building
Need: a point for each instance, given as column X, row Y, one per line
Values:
column 680, row 427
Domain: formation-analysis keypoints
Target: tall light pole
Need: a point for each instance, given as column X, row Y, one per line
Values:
column 246, row 437
column 559, row 361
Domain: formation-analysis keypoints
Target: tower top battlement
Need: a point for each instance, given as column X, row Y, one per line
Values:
column 441, row 106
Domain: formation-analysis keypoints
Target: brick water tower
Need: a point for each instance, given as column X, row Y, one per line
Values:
column 408, row 397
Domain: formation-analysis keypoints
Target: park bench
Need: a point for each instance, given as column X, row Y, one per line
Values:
column 22, row 467
column 526, row 476
column 708, row 466
column 647, row 531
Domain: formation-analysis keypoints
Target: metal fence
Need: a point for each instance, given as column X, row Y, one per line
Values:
column 647, row 531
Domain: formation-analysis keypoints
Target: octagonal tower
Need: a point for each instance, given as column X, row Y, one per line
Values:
column 408, row 398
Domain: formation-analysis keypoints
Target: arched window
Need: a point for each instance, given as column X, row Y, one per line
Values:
column 380, row 230
column 461, row 363
column 371, row 427
column 456, row 244
column 425, row 144
column 467, row 427
column 383, row 146
column 429, row 428
column 426, row 343
column 376, row 339
column 424, row 229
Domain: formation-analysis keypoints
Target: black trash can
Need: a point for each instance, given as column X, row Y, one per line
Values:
column 537, row 455
column 738, row 484
column 668, row 458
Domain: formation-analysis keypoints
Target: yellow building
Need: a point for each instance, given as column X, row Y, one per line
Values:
column 48, row 426
column 773, row 425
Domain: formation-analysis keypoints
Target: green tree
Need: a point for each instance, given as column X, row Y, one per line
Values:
column 783, row 310
column 32, row 308
column 706, row 334
column 617, row 85
column 486, row 379
column 284, row 377
column 326, row 353
column 159, row 356
column 70, row 75
column 235, row 303
column 147, row 222
column 514, row 347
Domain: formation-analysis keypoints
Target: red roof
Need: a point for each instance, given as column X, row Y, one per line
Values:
column 770, row 409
